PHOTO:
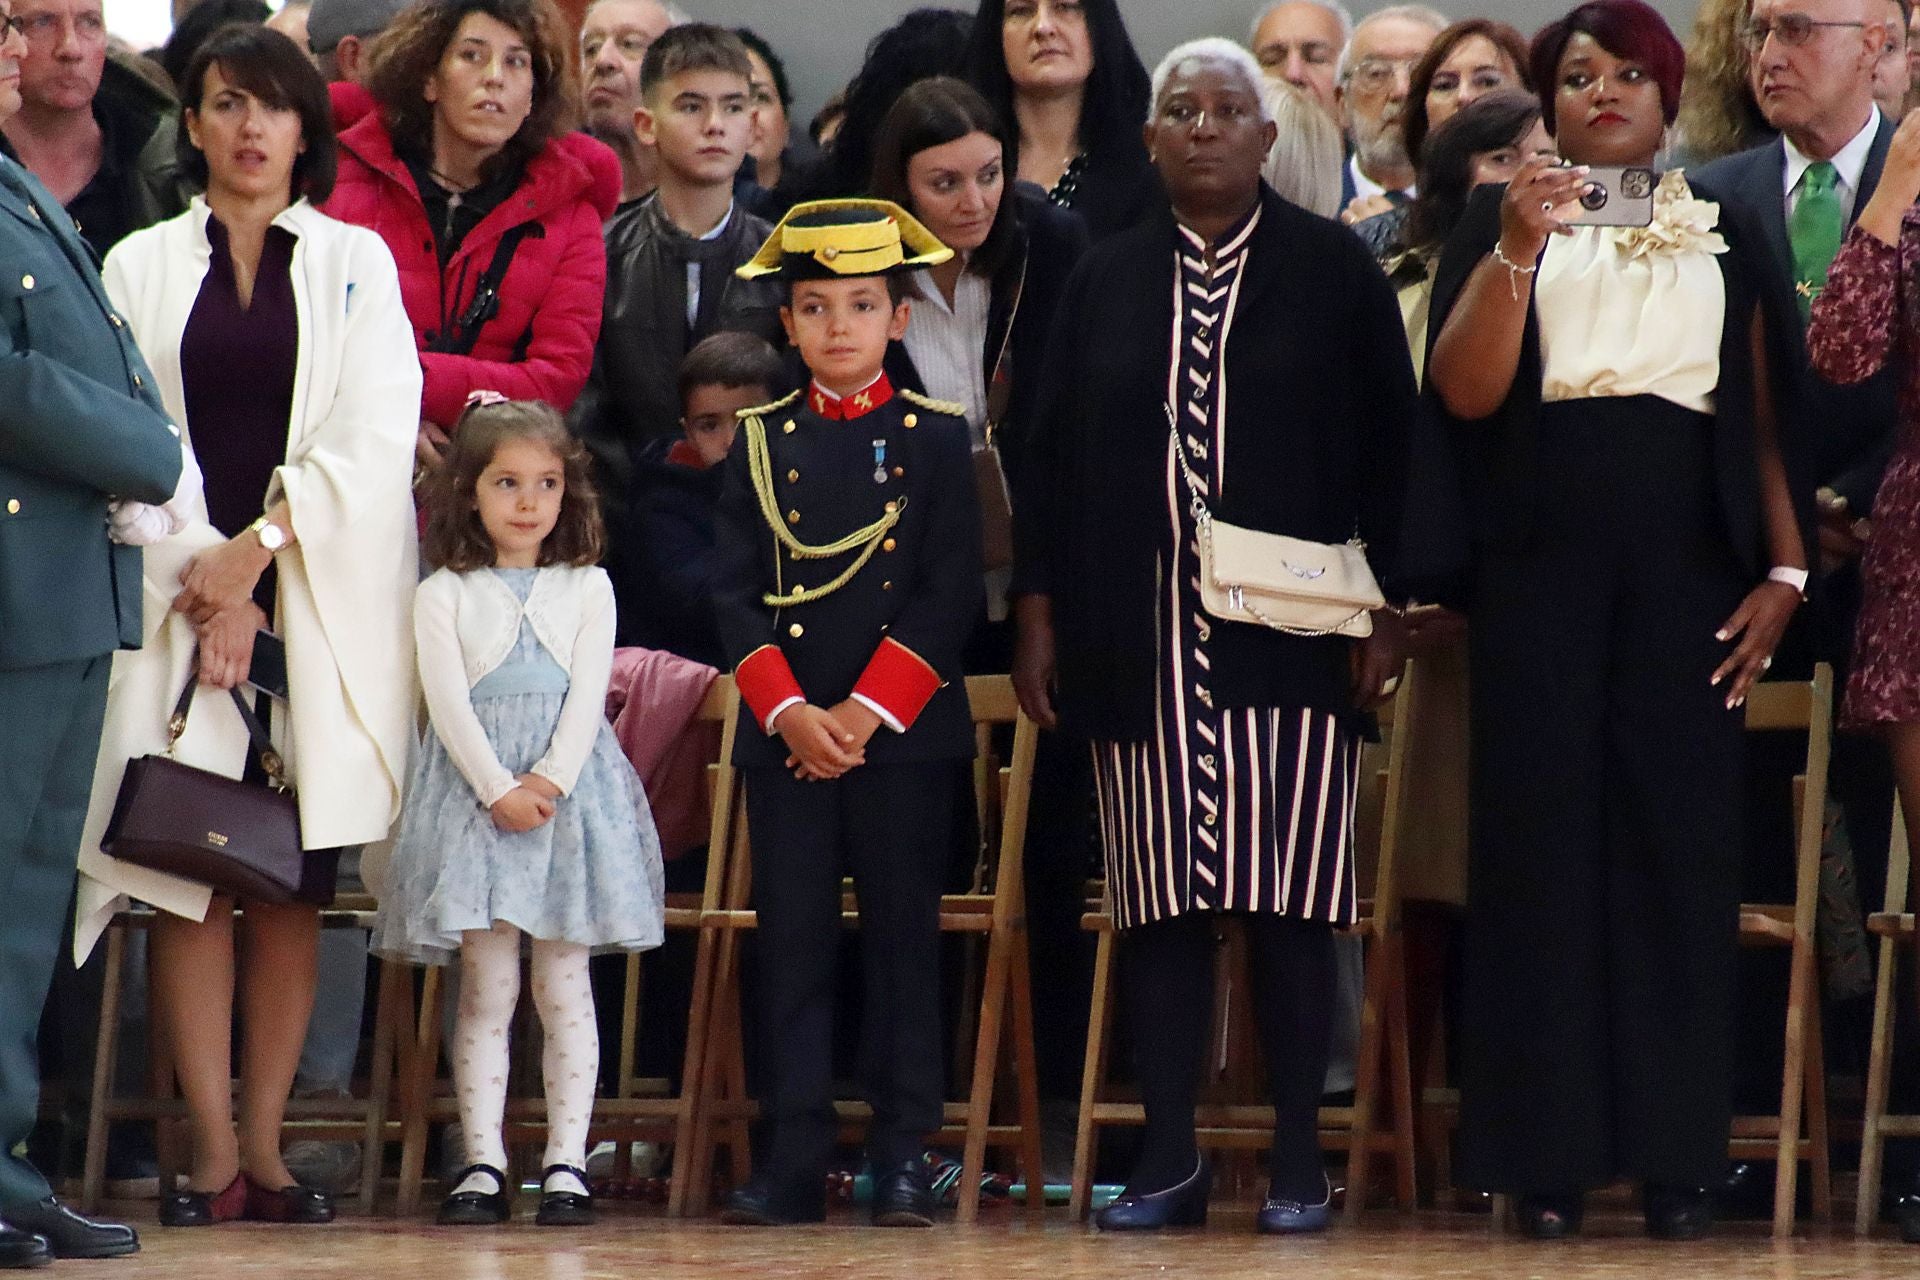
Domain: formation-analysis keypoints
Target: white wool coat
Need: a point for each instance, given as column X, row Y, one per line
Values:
column 346, row 586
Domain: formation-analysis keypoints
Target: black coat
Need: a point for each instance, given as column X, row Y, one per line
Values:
column 1496, row 454
column 1118, row 187
column 922, row 588
column 1852, row 428
column 670, row 576
column 1048, row 244
column 1321, row 396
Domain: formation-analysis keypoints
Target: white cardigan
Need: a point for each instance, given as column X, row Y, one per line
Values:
column 465, row 625
column 346, row 585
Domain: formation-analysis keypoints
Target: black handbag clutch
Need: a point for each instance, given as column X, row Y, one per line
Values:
column 237, row 837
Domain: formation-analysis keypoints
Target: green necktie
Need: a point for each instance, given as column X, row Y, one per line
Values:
column 1814, row 232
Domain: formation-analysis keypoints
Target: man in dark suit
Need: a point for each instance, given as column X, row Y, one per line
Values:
column 1812, row 73
column 80, row 424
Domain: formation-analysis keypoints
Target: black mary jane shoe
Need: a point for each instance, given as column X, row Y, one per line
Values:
column 903, row 1196
column 1677, row 1213
column 1184, row 1204
column 564, row 1208
column 71, row 1236
column 1544, row 1216
column 477, row 1208
column 20, row 1250
column 765, row 1203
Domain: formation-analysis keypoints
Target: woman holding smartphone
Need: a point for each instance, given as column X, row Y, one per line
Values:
column 1610, row 392
column 280, row 345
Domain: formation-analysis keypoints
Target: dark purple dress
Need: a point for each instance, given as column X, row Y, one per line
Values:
column 1869, row 309
column 236, row 371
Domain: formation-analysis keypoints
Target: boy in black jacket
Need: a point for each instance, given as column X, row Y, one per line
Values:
column 849, row 553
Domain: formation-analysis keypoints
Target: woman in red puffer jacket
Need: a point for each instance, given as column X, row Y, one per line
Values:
column 492, row 207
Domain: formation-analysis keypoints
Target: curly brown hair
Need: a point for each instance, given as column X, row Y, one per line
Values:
column 455, row 538
column 409, row 51
column 1718, row 115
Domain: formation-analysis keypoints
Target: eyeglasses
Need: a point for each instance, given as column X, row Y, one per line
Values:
column 10, row 23
column 1793, row 30
column 1181, row 114
column 1376, row 74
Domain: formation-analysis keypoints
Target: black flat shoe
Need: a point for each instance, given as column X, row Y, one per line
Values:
column 20, row 1250
column 1282, row 1217
column 190, row 1208
column 306, row 1206
column 765, row 1203
column 564, row 1208
column 71, row 1236
column 903, row 1196
column 477, row 1208
column 1549, row 1217
column 1678, row 1213
column 1184, row 1204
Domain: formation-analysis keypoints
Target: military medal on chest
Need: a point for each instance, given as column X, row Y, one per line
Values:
column 879, row 461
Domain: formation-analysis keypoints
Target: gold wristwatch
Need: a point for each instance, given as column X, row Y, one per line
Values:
column 271, row 535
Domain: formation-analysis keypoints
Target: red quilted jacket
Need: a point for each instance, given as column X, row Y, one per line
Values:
column 551, row 297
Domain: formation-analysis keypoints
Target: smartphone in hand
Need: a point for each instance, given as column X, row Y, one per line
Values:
column 1615, row 196
column 268, row 672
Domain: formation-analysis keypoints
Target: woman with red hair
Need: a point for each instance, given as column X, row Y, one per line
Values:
column 1611, row 392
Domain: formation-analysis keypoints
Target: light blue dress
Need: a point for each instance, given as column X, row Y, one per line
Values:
column 590, row 875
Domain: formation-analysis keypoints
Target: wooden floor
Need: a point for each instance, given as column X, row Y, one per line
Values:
column 633, row 1244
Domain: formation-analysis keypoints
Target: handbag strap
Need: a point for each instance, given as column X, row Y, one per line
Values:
column 262, row 744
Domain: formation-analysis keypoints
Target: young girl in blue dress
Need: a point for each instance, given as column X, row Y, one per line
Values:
column 523, row 817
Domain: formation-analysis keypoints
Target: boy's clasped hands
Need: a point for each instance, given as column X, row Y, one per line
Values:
column 824, row 743
column 529, row 805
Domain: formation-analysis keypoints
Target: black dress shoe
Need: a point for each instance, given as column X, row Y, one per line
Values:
column 307, row 1206
column 1746, row 1193
column 564, row 1208
column 1184, row 1204
column 903, row 1196
column 763, row 1202
column 477, row 1208
column 22, row 1249
column 1677, row 1213
column 1545, row 1216
column 71, row 1236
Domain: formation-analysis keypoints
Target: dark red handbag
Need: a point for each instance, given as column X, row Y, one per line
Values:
column 237, row 837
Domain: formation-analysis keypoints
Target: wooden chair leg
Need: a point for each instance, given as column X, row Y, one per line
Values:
column 986, row 1064
column 1367, row 1078
column 1026, row 1074
column 1820, row 1164
column 419, row 1097
column 162, row 1084
column 381, row 1072
column 1792, row 1088
column 1879, row 1067
column 1400, row 1078
column 692, row 1065
column 711, row 1089
column 93, row 1177
column 1093, row 1076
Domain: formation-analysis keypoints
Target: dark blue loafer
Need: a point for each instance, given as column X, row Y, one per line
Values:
column 1182, row 1205
column 1291, row 1218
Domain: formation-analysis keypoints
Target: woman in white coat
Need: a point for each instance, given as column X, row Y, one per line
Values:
column 280, row 344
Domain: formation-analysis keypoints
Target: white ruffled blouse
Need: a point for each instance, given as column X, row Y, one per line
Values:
column 1628, row 311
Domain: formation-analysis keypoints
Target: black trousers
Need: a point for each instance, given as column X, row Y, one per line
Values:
column 888, row 825
column 1606, row 818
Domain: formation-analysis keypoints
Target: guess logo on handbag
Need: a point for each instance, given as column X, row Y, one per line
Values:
column 217, row 840
column 1307, row 574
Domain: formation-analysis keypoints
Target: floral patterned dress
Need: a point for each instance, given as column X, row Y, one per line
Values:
column 1870, row 313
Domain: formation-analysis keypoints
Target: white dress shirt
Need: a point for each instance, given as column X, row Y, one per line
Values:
column 1849, row 162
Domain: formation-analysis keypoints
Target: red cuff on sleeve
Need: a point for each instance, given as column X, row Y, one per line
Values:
column 766, row 681
column 900, row 680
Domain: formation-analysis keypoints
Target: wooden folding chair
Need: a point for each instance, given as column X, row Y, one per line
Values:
column 1799, row 1131
column 1893, row 924
column 368, row 1119
column 641, row 1107
column 1004, row 1023
column 1382, row 1056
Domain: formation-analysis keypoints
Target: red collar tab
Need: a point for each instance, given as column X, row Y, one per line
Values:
column 857, row 405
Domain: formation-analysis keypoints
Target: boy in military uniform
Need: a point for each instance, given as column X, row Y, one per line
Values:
column 849, row 575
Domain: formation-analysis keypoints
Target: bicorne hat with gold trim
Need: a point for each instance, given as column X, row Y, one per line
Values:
column 834, row 239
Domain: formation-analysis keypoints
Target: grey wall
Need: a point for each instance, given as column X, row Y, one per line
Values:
column 822, row 40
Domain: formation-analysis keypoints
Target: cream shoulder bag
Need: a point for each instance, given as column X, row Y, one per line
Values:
column 1289, row 584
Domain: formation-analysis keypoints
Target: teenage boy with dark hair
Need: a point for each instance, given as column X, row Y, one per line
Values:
column 670, row 263
column 849, row 576
column 676, row 486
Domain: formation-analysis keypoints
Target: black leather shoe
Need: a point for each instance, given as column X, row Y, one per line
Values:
column 1746, row 1193
column 477, row 1208
column 903, row 1196
column 71, row 1236
column 1182, row 1205
column 765, row 1203
column 20, row 1250
column 564, row 1208
column 1550, row 1217
column 1678, row 1213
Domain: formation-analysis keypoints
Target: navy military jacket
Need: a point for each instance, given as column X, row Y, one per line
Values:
column 893, row 633
column 80, row 423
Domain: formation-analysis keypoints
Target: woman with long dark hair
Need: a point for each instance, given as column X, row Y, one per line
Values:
column 1065, row 76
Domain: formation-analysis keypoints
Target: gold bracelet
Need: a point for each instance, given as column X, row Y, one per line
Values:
column 1514, row 269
